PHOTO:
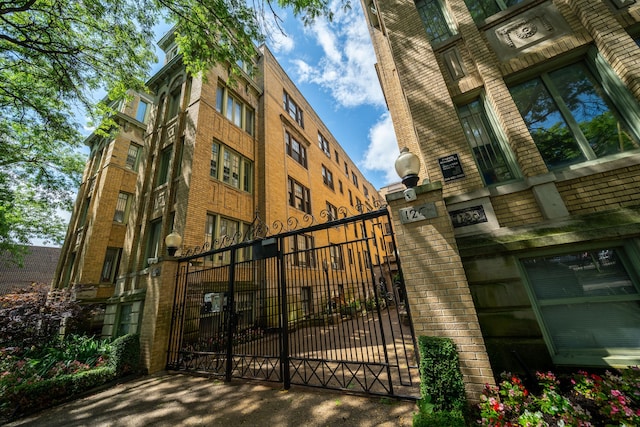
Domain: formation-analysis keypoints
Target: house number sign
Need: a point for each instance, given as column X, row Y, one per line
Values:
column 418, row 213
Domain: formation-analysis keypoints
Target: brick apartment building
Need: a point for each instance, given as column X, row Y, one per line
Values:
column 526, row 119
column 203, row 158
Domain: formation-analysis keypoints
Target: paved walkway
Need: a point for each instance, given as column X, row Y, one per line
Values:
column 167, row 399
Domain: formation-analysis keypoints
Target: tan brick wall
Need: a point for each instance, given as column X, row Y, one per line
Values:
column 437, row 288
column 604, row 191
column 516, row 209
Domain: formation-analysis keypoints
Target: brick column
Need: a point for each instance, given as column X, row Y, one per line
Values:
column 436, row 284
column 158, row 307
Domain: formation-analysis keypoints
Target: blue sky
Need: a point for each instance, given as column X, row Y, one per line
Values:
column 332, row 63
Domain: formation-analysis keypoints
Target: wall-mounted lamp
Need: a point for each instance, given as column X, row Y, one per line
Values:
column 407, row 167
column 173, row 242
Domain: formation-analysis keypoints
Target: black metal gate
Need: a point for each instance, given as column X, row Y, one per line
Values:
column 321, row 305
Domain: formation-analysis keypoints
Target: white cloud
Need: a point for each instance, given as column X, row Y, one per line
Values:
column 346, row 68
column 383, row 149
column 279, row 42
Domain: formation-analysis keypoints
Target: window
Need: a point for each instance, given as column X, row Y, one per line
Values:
column 142, row 112
column 346, row 169
column 332, row 212
column 133, row 157
column 153, row 240
column 587, row 302
column 340, row 187
column 299, row 196
column 209, row 231
column 125, row 320
column 358, row 204
column 215, row 158
column 234, row 109
column 307, row 301
column 335, row 154
column 302, row 248
column 163, row 166
column 174, row 103
column 354, row 178
column 436, row 21
column 292, row 108
column 122, row 208
column 327, row 177
column 222, row 231
column 486, row 148
column 229, row 229
column 110, row 265
column 570, row 117
column 236, row 170
column 324, row 145
column 350, row 198
column 482, row 9
column 336, row 257
column 231, row 168
column 365, row 190
column 296, row 150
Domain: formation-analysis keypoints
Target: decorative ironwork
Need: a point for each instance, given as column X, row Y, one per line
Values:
column 258, row 229
column 319, row 314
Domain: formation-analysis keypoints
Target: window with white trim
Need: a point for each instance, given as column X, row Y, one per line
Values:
column 588, row 303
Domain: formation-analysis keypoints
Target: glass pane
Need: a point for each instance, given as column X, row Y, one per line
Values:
column 594, row 325
column 486, row 150
column 586, row 101
column 546, row 125
column 482, row 9
column 432, row 16
column 583, row 274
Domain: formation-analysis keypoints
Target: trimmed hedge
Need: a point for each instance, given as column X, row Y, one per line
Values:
column 442, row 396
column 439, row 419
column 125, row 354
column 31, row 396
column 441, row 383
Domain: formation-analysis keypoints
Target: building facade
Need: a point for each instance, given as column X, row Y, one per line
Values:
column 206, row 159
column 526, row 119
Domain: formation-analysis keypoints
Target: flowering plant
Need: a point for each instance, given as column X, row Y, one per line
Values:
column 584, row 400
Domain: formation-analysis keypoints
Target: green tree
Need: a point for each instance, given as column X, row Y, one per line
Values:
column 55, row 53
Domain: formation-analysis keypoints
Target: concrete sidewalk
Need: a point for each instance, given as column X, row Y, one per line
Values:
column 168, row 399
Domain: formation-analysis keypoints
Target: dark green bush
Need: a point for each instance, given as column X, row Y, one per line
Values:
column 29, row 396
column 439, row 419
column 441, row 384
column 125, row 354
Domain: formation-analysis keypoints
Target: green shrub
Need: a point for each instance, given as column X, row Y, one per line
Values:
column 439, row 419
column 29, row 396
column 441, row 384
column 125, row 354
